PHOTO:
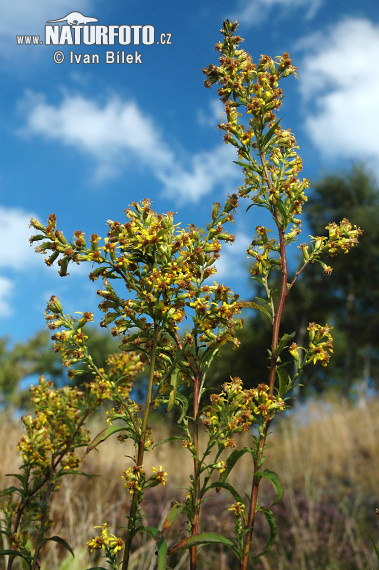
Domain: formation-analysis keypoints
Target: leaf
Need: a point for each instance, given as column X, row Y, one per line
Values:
column 208, row 538
column 269, row 133
column 276, row 483
column 270, row 518
column 228, row 487
column 173, row 514
column 21, row 478
column 284, row 215
column 184, row 404
column 262, row 309
column 103, row 435
column 75, row 472
column 162, row 553
column 284, row 381
column 232, row 460
column 15, row 553
column 161, row 544
column 10, row 490
column 60, row 541
column 173, row 383
column 97, row 568
column 283, row 341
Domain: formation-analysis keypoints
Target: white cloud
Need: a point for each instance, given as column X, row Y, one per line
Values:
column 253, row 13
column 25, row 17
column 6, row 287
column 118, row 133
column 233, row 258
column 15, row 250
column 212, row 116
column 338, row 76
column 208, row 169
column 112, row 133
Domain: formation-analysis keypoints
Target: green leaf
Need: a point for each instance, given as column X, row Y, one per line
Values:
column 60, row 541
column 162, row 553
column 232, row 460
column 243, row 164
column 208, row 538
column 284, row 381
column 161, row 544
column 75, row 472
column 270, row 518
column 15, row 553
column 10, row 490
column 103, row 435
column 97, row 568
column 276, row 483
column 283, row 341
column 173, row 514
column 228, row 487
column 184, row 404
column 173, row 383
column 21, row 478
column 283, row 212
column 269, row 133
column 263, row 309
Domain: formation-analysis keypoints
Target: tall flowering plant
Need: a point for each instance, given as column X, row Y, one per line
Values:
column 155, row 274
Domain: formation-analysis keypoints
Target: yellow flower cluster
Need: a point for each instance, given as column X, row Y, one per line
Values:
column 54, row 428
column 134, row 478
column 159, row 475
column 341, row 237
column 254, row 90
column 260, row 250
column 238, row 509
column 235, row 409
column 105, row 541
column 320, row 344
column 162, row 266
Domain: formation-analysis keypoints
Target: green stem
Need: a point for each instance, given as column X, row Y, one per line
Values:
column 136, row 499
column 196, row 473
column 41, row 534
column 253, row 500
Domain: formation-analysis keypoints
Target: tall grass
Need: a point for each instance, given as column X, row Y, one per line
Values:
column 328, row 457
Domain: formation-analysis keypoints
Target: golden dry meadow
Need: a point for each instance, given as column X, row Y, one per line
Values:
column 329, row 463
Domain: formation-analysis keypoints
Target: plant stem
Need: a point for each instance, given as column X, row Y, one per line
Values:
column 277, row 317
column 279, row 311
column 253, row 500
column 41, row 534
column 140, row 453
column 196, row 474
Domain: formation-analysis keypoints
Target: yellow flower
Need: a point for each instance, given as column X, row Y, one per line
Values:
column 160, row 475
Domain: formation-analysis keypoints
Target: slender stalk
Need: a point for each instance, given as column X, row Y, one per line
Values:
column 196, row 474
column 253, row 501
column 140, row 453
column 41, row 533
column 279, row 312
column 277, row 317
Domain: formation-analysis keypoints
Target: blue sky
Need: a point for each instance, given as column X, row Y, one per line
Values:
column 84, row 141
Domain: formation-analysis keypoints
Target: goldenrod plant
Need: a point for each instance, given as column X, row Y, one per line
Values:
column 154, row 275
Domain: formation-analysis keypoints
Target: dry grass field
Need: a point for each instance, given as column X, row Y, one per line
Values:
column 327, row 457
